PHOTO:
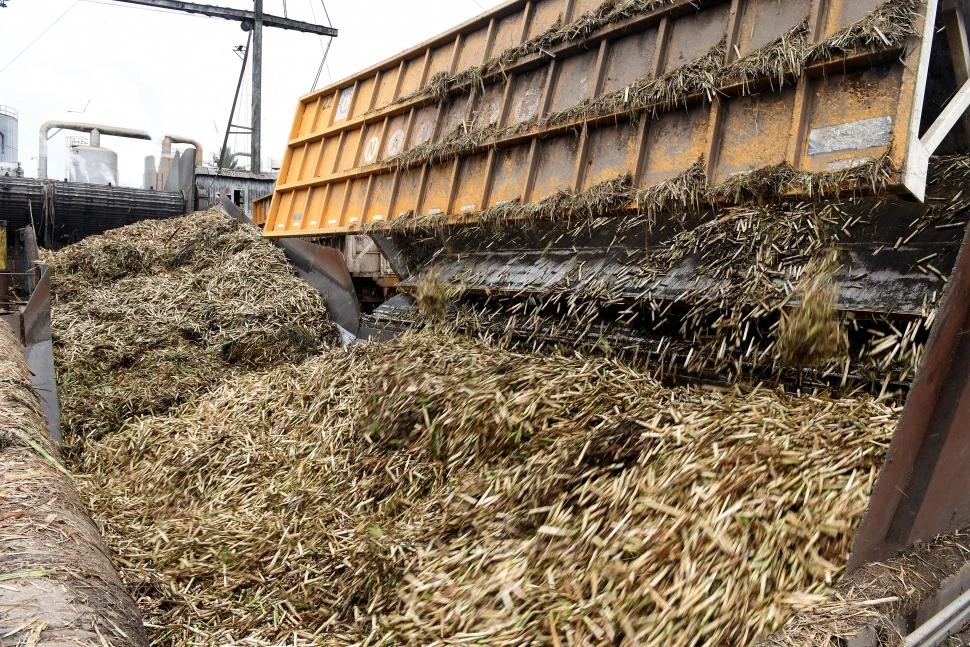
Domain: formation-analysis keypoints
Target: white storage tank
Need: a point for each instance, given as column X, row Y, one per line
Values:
column 93, row 164
column 151, row 173
column 8, row 135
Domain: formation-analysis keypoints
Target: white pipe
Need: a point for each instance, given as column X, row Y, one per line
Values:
column 175, row 139
column 947, row 621
column 165, row 162
column 95, row 130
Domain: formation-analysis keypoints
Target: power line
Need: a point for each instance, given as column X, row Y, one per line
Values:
column 325, row 61
column 39, row 36
column 130, row 6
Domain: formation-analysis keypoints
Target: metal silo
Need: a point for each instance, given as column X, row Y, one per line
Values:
column 93, row 164
column 8, row 134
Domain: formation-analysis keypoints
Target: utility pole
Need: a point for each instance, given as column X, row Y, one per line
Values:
column 257, row 133
column 251, row 20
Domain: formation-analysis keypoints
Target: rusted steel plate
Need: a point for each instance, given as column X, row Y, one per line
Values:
column 922, row 488
column 879, row 274
column 541, row 96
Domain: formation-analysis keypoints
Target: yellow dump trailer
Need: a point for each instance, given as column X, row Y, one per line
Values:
column 560, row 95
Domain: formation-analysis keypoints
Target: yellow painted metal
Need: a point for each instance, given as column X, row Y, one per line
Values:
column 3, row 246
column 260, row 209
column 341, row 169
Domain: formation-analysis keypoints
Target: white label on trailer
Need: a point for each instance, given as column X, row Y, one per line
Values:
column 396, row 143
column 343, row 107
column 855, row 135
column 841, row 165
column 370, row 152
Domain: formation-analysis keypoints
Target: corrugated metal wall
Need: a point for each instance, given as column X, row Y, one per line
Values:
column 76, row 210
column 241, row 187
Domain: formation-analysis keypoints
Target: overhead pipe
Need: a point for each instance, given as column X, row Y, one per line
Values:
column 165, row 163
column 95, row 131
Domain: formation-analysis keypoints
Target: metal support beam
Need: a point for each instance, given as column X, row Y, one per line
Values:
column 947, row 120
column 235, row 100
column 955, row 22
column 239, row 15
column 258, row 22
column 251, row 20
column 954, row 19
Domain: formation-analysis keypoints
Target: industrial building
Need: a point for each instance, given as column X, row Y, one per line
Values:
column 89, row 200
column 240, row 187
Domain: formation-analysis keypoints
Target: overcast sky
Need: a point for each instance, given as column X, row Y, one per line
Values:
column 111, row 63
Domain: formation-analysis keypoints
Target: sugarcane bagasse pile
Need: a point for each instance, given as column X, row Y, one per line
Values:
column 436, row 487
column 150, row 315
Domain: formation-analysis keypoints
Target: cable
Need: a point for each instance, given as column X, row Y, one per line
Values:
column 314, row 14
column 323, row 61
column 329, row 24
column 480, row 6
column 325, row 50
column 39, row 36
column 132, row 6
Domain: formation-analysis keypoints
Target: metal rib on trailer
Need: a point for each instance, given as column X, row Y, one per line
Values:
column 878, row 273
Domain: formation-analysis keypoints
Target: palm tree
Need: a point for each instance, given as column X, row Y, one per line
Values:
column 225, row 159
